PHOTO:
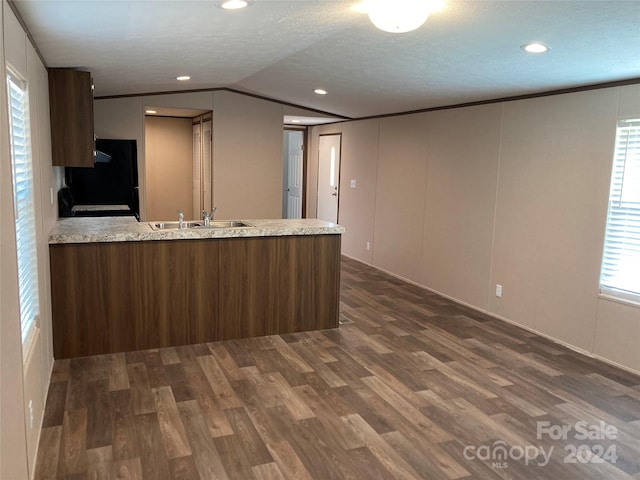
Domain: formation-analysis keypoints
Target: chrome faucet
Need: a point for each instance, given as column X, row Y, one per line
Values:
column 208, row 216
column 180, row 219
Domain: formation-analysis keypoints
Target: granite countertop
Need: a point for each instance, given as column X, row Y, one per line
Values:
column 128, row 229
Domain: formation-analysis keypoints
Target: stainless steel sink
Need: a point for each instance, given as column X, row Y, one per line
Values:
column 173, row 225
column 226, row 224
column 198, row 224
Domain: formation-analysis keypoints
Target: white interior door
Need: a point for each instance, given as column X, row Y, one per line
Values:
column 293, row 184
column 329, row 177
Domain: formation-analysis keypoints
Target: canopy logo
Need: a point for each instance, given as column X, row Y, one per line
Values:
column 500, row 453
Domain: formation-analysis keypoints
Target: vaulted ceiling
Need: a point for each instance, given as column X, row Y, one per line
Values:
column 284, row 49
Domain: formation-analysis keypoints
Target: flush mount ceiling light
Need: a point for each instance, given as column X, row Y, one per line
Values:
column 234, row 4
column 320, row 91
column 535, row 47
column 400, row 16
column 183, row 78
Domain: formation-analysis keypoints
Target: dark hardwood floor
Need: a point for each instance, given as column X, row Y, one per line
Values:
column 410, row 386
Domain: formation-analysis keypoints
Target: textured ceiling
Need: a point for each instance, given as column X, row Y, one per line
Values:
column 283, row 49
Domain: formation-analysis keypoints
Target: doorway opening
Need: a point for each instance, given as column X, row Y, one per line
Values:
column 202, row 168
column 293, row 173
column 178, row 163
column 329, row 151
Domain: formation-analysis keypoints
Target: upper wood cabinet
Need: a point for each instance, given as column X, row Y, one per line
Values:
column 71, row 105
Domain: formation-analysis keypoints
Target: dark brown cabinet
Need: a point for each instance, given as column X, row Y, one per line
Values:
column 124, row 296
column 71, row 108
column 272, row 285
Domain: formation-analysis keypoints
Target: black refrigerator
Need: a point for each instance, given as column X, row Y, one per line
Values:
column 109, row 188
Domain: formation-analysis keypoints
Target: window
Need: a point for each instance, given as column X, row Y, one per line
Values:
column 620, row 273
column 23, row 202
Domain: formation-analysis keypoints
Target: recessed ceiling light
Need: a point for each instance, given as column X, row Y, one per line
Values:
column 234, row 4
column 151, row 112
column 183, row 78
column 320, row 91
column 535, row 47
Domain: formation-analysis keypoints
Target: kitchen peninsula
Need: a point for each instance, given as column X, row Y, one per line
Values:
column 118, row 285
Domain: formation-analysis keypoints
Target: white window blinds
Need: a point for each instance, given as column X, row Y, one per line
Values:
column 23, row 201
column 621, row 261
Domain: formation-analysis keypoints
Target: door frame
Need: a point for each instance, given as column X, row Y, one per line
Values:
column 339, row 173
column 199, row 121
column 305, row 148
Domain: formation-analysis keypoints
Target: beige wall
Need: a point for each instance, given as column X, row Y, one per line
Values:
column 359, row 162
column 552, row 204
column 169, row 168
column 460, row 200
column 191, row 100
column 400, row 195
column 247, row 146
column 617, row 331
column 512, row 193
column 26, row 382
column 247, row 157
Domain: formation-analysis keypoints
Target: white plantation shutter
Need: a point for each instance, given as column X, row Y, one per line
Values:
column 621, row 260
column 23, row 201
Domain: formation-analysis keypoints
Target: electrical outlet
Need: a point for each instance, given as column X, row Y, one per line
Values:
column 368, row 246
column 353, row 184
column 498, row 290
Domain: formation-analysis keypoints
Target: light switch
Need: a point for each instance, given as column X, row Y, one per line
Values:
column 353, row 184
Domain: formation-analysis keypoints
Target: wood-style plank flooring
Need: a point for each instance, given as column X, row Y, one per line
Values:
column 410, row 386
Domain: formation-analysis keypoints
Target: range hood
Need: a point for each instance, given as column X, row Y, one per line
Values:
column 102, row 157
